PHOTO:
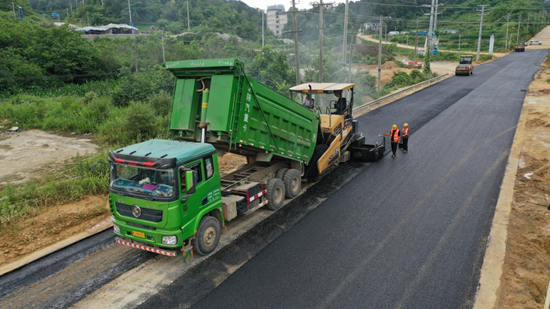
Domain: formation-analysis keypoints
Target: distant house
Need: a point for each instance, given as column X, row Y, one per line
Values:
column 110, row 29
column 276, row 19
column 449, row 31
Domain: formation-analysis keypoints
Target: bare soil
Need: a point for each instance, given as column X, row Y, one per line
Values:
column 26, row 155
column 526, row 268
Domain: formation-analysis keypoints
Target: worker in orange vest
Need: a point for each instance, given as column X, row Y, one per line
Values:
column 405, row 137
column 394, row 139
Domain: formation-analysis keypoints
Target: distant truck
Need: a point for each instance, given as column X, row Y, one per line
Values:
column 533, row 42
column 520, row 47
column 465, row 66
column 169, row 195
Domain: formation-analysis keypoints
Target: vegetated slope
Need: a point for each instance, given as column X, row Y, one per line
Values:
column 233, row 17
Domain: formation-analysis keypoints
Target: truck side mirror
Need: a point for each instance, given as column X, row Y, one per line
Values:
column 190, row 182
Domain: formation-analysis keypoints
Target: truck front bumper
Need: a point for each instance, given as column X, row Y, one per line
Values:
column 135, row 244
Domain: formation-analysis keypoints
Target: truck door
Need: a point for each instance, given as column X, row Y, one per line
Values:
column 191, row 204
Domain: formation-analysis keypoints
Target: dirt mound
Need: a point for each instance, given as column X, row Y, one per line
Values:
column 371, row 50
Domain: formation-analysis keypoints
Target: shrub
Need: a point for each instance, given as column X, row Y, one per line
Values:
column 137, row 87
column 161, row 102
column 132, row 124
column 399, row 79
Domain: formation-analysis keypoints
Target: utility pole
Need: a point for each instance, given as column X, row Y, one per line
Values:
column 459, row 36
column 136, row 53
column 87, row 17
column 416, row 43
column 296, row 54
column 380, row 54
column 519, row 25
column 528, row 16
column 321, row 6
column 188, row 21
column 13, row 4
column 263, row 40
column 130, row 13
column 351, row 54
column 435, row 15
column 163, row 55
column 507, row 22
column 345, row 33
column 480, row 28
column 430, row 29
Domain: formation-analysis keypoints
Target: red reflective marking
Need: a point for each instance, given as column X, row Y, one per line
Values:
column 145, row 248
column 149, row 163
column 117, row 160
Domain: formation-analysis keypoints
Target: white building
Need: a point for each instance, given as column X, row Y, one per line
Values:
column 276, row 19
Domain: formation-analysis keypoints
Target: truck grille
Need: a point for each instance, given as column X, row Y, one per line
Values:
column 152, row 215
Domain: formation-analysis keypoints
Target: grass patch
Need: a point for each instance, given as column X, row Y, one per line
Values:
column 68, row 184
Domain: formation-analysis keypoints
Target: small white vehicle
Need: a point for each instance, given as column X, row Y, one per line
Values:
column 533, row 42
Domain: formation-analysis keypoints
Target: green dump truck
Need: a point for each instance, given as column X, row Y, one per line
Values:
column 168, row 195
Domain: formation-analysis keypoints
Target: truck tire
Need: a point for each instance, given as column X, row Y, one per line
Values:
column 275, row 193
column 293, row 183
column 208, row 236
column 312, row 172
column 281, row 173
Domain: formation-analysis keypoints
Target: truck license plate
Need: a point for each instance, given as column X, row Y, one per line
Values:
column 138, row 234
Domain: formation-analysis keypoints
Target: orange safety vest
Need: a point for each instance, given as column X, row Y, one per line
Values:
column 394, row 136
column 405, row 132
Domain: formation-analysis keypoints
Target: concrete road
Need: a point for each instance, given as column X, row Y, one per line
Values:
column 408, row 232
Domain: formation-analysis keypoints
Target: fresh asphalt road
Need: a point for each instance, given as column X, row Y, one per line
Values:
column 408, row 232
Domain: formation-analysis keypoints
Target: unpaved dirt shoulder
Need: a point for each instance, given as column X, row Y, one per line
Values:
column 526, row 268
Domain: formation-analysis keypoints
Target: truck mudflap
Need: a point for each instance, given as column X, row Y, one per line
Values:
column 367, row 152
column 132, row 244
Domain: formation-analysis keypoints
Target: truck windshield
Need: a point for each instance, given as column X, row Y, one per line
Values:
column 145, row 181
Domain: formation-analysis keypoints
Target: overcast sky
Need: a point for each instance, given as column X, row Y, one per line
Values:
column 300, row 4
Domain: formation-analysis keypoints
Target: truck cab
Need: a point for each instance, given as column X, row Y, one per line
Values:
column 159, row 191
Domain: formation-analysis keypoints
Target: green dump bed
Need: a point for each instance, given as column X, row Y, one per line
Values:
column 242, row 115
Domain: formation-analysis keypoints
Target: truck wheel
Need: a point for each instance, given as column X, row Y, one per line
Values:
column 208, row 236
column 275, row 193
column 293, row 183
column 312, row 172
column 281, row 173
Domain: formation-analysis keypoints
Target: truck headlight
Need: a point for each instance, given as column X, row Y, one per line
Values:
column 169, row 240
column 116, row 228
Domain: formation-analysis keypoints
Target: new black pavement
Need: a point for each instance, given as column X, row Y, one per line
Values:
column 408, row 232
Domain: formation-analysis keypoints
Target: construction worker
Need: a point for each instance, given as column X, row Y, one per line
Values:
column 308, row 101
column 340, row 104
column 405, row 137
column 394, row 139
